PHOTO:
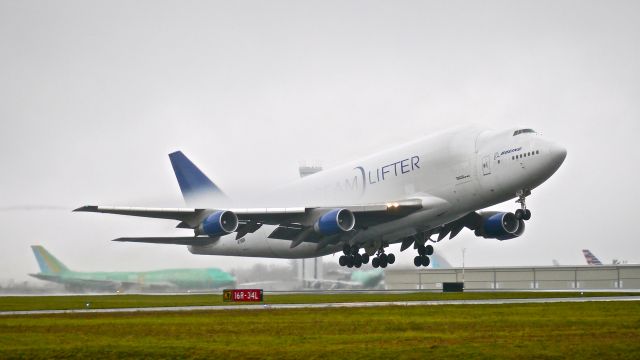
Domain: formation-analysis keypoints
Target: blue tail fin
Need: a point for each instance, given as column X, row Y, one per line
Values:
column 47, row 262
column 196, row 187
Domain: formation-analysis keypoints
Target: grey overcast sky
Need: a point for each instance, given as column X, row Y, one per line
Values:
column 94, row 95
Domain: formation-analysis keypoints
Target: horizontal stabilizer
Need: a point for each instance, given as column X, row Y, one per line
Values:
column 187, row 240
column 47, row 277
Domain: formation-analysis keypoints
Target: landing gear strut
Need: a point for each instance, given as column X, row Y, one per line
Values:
column 352, row 257
column 423, row 256
column 523, row 213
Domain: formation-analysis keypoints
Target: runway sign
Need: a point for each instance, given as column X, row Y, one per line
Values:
column 242, row 295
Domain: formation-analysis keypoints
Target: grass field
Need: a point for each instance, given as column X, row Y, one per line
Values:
column 122, row 301
column 603, row 330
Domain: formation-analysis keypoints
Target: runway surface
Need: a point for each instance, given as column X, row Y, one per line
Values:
column 328, row 305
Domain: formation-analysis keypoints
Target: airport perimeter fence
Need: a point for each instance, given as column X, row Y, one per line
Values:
column 613, row 277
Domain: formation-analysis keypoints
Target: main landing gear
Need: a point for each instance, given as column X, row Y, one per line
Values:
column 423, row 256
column 523, row 213
column 382, row 259
column 352, row 257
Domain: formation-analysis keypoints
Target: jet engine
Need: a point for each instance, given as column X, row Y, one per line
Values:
column 335, row 221
column 218, row 224
column 500, row 226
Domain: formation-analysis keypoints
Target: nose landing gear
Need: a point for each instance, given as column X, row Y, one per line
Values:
column 523, row 213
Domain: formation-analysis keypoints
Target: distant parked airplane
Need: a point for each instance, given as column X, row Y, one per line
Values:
column 52, row 269
column 591, row 259
column 406, row 194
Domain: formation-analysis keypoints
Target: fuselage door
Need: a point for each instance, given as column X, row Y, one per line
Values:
column 486, row 165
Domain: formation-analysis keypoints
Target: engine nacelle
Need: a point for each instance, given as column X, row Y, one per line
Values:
column 218, row 224
column 500, row 226
column 335, row 221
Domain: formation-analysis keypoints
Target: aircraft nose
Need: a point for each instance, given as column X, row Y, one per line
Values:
column 558, row 153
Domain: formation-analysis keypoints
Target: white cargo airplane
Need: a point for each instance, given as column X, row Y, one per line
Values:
column 407, row 194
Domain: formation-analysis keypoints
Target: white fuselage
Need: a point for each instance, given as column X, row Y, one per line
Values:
column 469, row 168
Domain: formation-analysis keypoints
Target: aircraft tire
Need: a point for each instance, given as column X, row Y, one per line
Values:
column 343, row 260
column 357, row 264
column 365, row 258
column 355, row 249
column 383, row 258
column 383, row 263
column 519, row 214
column 429, row 250
column 375, row 262
column 425, row 261
column 527, row 214
column 391, row 259
column 417, row 261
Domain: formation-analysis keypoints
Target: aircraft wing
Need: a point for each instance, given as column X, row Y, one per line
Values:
column 294, row 223
column 191, row 217
column 270, row 216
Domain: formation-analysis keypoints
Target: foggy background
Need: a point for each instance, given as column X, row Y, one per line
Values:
column 94, row 95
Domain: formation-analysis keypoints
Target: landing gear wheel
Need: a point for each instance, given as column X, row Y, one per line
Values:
column 425, row 261
column 520, row 214
column 383, row 258
column 358, row 258
column 343, row 260
column 417, row 261
column 391, row 259
column 383, row 263
column 523, row 213
column 422, row 250
column 357, row 264
column 346, row 249
column 375, row 262
column 354, row 249
column 429, row 250
column 365, row 258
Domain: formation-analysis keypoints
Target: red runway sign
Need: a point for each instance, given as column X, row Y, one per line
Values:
column 242, row 295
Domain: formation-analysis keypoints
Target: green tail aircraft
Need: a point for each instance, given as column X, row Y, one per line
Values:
column 52, row 269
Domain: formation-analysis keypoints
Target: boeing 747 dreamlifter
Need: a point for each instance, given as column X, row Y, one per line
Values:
column 407, row 194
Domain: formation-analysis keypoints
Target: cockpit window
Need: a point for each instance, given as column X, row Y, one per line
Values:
column 523, row 131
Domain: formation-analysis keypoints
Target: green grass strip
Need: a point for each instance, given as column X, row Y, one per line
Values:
column 12, row 303
column 603, row 330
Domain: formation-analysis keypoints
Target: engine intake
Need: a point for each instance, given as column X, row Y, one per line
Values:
column 218, row 224
column 335, row 221
column 500, row 226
